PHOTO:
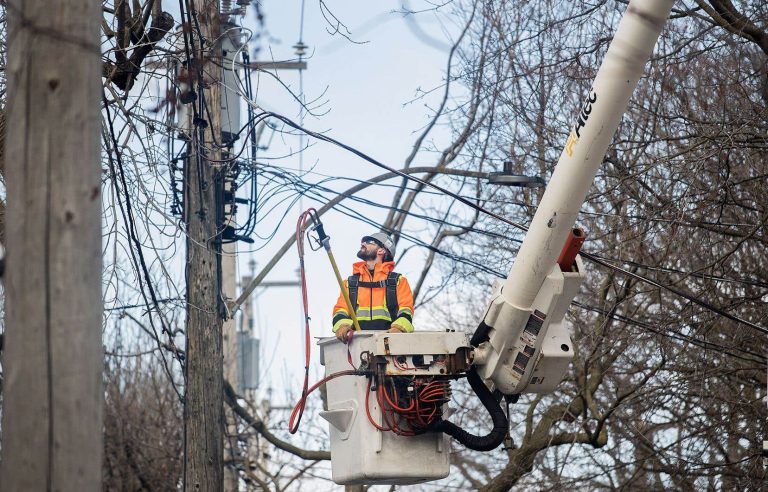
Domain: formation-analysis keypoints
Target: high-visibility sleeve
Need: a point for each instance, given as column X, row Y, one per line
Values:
column 340, row 311
column 404, row 318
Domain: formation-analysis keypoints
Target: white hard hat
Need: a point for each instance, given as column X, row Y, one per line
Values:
column 384, row 239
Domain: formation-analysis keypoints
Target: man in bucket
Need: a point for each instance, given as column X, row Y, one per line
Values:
column 382, row 298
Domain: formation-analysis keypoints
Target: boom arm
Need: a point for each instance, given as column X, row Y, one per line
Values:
column 522, row 343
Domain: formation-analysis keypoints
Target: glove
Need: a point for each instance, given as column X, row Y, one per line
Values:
column 342, row 332
column 393, row 328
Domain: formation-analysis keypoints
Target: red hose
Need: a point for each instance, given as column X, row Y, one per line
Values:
column 299, row 407
column 304, row 220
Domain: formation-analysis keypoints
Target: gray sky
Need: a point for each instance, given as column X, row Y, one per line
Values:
column 368, row 89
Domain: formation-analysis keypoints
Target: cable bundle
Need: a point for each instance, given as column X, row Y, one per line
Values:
column 409, row 405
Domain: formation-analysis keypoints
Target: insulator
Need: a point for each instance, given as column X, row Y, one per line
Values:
column 301, row 49
column 243, row 4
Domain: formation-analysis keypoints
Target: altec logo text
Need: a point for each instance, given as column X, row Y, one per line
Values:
column 581, row 121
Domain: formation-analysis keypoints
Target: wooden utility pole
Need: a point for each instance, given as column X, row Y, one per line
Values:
column 203, row 405
column 53, row 357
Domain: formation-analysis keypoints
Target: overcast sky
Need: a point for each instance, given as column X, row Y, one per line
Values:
column 367, row 88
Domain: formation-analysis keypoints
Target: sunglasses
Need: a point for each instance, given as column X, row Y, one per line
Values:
column 373, row 242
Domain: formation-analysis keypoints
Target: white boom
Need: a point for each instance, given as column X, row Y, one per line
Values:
column 525, row 290
column 522, row 343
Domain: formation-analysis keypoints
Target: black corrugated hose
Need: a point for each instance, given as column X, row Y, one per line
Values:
column 500, row 424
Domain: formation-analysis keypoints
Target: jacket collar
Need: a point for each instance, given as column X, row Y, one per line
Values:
column 385, row 267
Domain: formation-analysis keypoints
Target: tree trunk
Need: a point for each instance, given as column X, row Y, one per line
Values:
column 204, row 416
column 52, row 412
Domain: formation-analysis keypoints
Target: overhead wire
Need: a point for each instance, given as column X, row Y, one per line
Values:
column 137, row 255
column 249, row 227
column 471, row 204
column 674, row 290
column 303, row 187
column 706, row 345
column 593, row 258
column 346, row 210
column 703, row 276
column 315, row 189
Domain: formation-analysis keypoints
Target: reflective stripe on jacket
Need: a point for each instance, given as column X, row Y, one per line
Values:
column 372, row 312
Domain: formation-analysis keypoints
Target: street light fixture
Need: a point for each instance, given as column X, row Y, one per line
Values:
column 508, row 178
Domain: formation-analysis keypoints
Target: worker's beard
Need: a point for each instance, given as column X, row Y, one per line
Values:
column 366, row 255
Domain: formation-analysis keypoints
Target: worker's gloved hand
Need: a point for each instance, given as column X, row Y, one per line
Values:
column 342, row 332
column 395, row 329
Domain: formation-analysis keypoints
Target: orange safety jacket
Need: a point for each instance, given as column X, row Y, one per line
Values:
column 372, row 311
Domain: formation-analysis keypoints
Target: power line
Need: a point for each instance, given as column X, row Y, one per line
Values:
column 475, row 206
column 704, row 276
column 676, row 335
column 675, row 291
column 618, row 317
column 136, row 252
column 481, row 267
column 144, row 305
column 479, row 208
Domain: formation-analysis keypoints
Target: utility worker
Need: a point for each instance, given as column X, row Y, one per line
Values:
column 382, row 298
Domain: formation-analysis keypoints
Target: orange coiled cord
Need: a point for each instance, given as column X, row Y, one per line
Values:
column 409, row 405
